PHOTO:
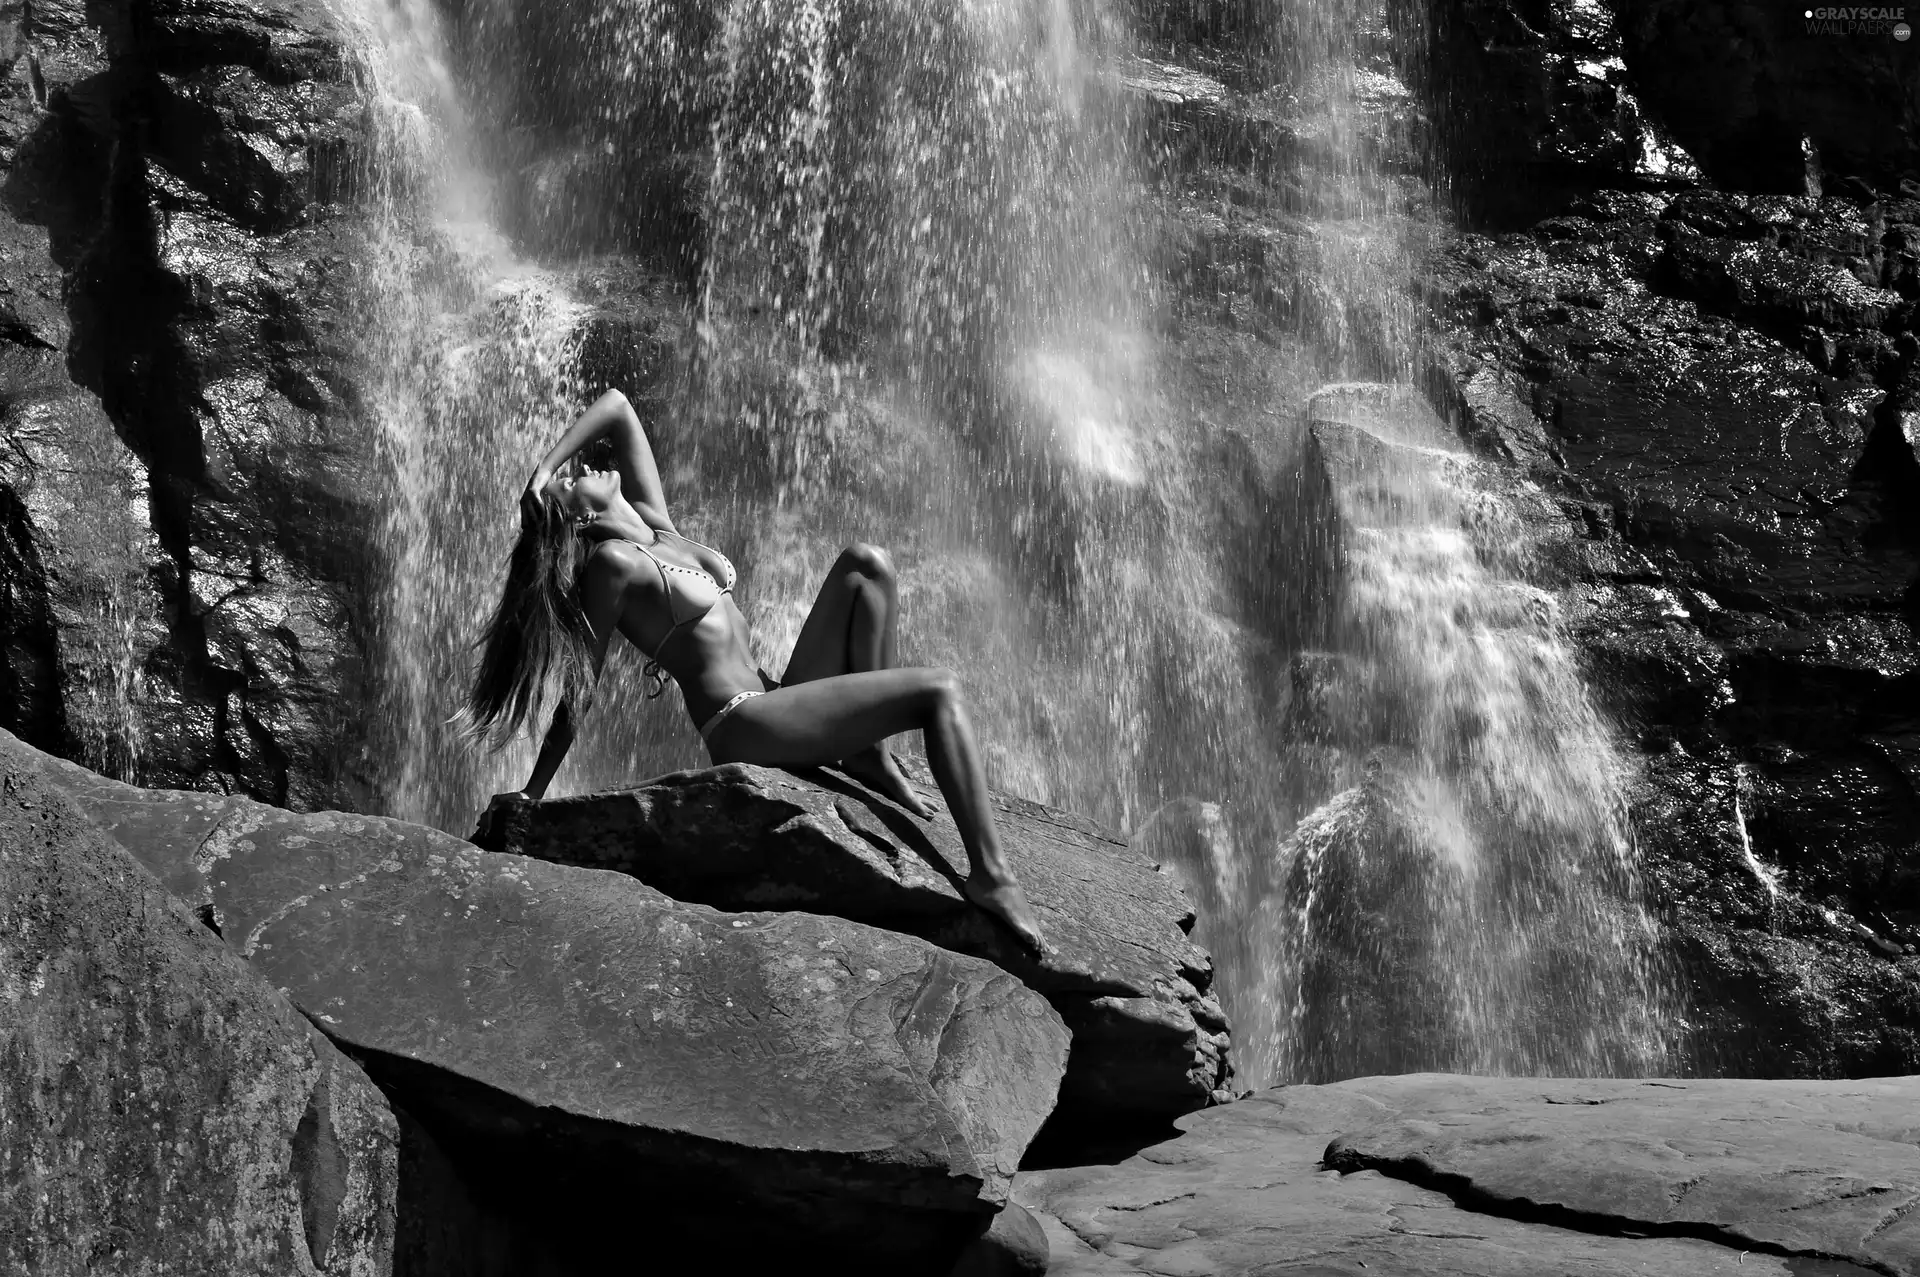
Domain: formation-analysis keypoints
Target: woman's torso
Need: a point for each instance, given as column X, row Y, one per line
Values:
column 680, row 612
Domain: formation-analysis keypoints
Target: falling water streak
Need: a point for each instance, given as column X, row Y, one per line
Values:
column 1766, row 877
column 932, row 182
column 1473, row 902
column 107, row 615
column 465, row 367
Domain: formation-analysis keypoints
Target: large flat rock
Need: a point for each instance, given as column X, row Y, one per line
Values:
column 1149, row 1040
column 1804, row 1168
column 1598, row 1178
column 162, row 1108
column 587, row 1040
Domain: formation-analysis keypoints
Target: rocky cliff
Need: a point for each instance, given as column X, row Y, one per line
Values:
column 186, row 494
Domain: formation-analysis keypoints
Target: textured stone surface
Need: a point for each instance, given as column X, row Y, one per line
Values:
column 1148, row 1041
column 1711, row 388
column 1014, row 1245
column 162, row 1108
column 79, row 617
column 1799, row 1168
column 1591, row 1177
column 587, row 1035
column 180, row 500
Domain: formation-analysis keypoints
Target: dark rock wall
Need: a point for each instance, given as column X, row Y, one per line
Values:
column 1536, row 101
column 1753, row 90
column 184, row 501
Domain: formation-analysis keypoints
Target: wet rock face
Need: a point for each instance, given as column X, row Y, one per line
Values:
column 1149, row 1043
column 164, row 1109
column 78, row 616
column 187, row 516
column 575, row 1040
column 1717, row 389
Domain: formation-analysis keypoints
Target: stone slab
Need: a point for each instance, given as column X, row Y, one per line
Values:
column 807, row 1064
column 1245, row 1189
column 1825, row 1169
column 1149, row 1039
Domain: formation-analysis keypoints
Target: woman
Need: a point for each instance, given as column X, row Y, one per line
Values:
column 598, row 553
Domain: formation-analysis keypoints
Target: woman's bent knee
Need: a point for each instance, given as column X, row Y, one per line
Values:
column 868, row 560
column 944, row 684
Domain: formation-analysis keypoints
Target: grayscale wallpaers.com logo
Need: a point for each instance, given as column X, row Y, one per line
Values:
column 1851, row 19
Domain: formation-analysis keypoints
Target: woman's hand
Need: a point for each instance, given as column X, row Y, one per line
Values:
column 533, row 496
column 491, row 832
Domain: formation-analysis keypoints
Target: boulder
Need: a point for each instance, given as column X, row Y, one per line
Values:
column 1148, row 1040
column 1014, row 1245
column 575, row 1038
column 1432, row 1175
column 162, row 1108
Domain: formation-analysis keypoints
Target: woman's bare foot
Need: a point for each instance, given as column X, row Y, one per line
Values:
column 1004, row 899
column 876, row 769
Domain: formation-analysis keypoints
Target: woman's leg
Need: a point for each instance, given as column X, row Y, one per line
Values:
column 851, row 630
column 829, row 718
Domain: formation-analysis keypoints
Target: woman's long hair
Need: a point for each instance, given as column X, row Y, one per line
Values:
column 537, row 641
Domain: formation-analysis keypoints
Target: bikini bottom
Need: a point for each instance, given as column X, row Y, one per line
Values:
column 708, row 728
column 712, row 725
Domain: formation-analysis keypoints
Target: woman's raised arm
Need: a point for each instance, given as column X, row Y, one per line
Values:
column 611, row 415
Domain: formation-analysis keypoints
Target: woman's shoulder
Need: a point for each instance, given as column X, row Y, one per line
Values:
column 621, row 562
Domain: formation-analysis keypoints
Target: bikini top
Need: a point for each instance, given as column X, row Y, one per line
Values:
column 672, row 575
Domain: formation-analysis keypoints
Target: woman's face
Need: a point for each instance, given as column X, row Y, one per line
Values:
column 584, row 493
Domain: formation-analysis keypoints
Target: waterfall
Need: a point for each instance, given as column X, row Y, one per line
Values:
column 464, row 353
column 898, row 257
column 1466, row 896
column 1470, row 901
column 924, row 319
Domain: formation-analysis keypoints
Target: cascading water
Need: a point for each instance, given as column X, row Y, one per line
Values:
column 918, row 312
column 1467, row 898
column 924, row 321
column 466, row 367
column 1470, row 901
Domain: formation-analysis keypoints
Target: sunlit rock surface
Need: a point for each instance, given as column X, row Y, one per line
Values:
column 1149, row 1043
column 163, row 1109
column 573, row 1037
column 1486, row 1177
